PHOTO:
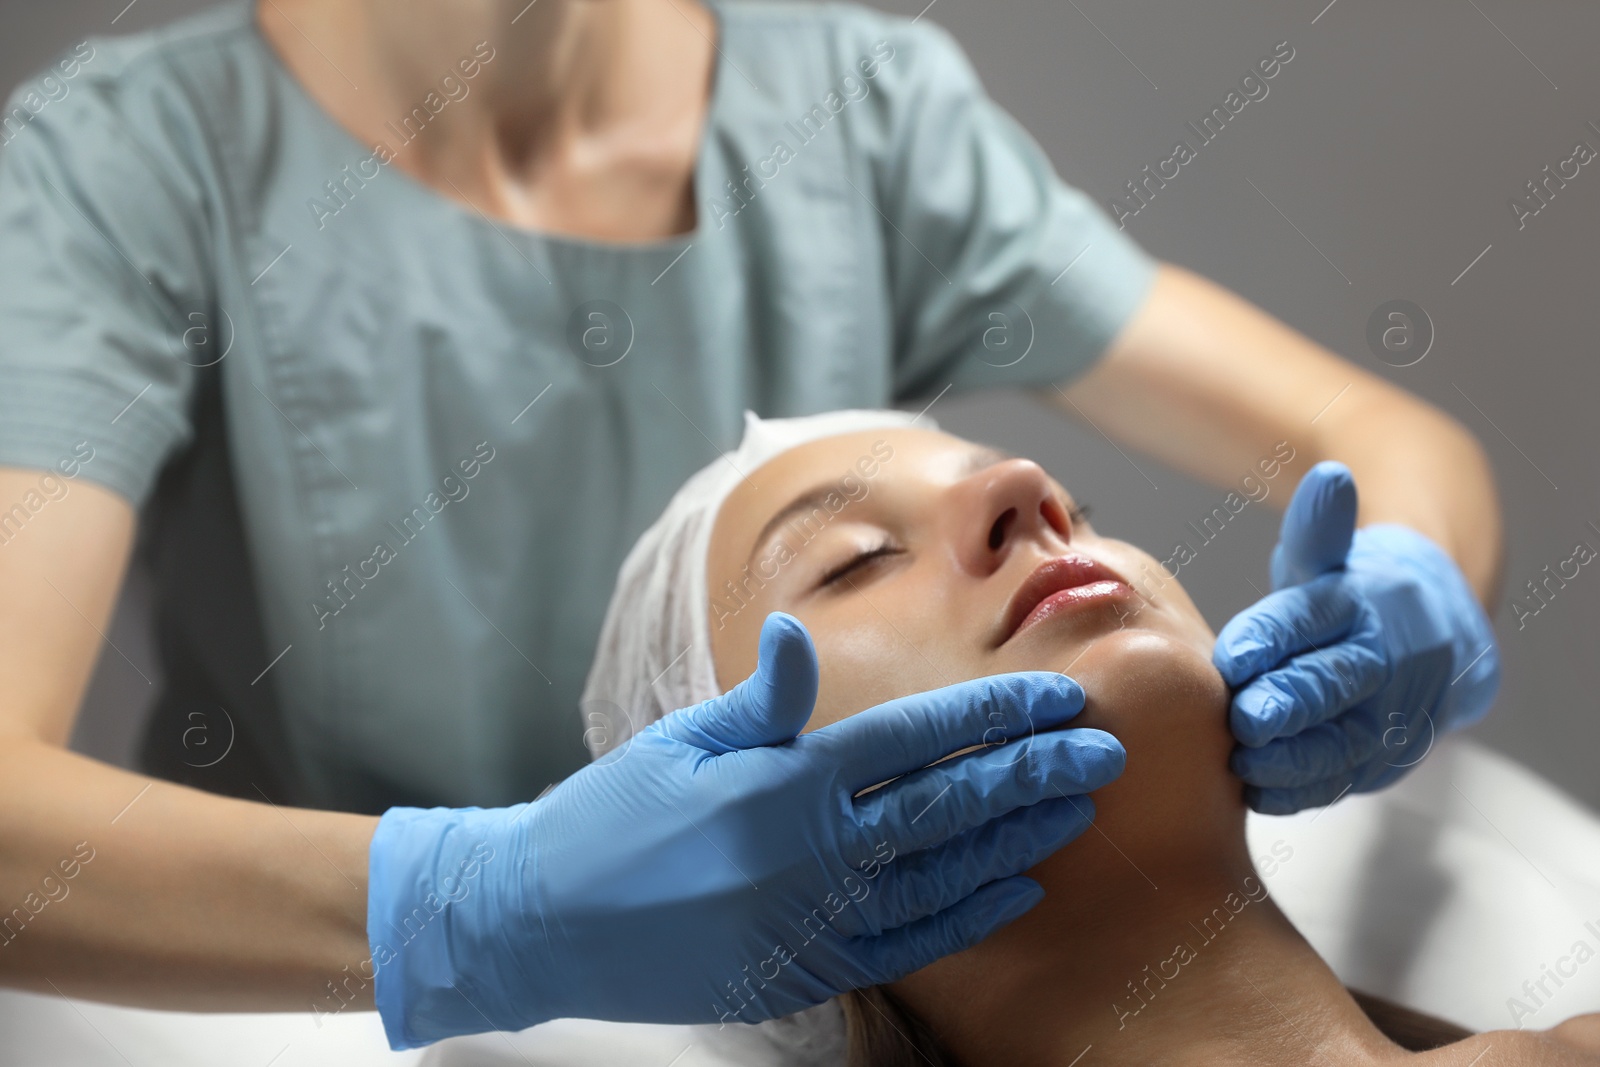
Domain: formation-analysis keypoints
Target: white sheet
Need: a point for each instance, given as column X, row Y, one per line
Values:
column 1450, row 890
column 1446, row 893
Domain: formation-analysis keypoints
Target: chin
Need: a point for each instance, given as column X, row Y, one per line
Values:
column 1160, row 696
column 1131, row 675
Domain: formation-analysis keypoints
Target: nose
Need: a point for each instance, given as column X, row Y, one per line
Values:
column 1000, row 507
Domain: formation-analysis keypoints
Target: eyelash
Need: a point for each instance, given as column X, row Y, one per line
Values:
column 1076, row 512
column 860, row 559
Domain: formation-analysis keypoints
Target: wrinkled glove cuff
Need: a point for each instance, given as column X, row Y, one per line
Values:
column 435, row 904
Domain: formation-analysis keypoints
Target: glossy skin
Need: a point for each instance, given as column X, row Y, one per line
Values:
column 961, row 528
column 936, row 550
column 932, row 610
column 904, row 580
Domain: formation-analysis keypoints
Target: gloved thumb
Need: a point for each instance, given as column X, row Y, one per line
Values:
column 1317, row 525
column 769, row 707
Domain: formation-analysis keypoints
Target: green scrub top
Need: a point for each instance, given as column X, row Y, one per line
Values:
column 389, row 452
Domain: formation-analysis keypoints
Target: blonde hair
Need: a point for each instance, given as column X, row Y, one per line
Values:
column 882, row 1032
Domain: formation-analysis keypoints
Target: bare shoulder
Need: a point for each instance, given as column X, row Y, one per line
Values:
column 1575, row 1043
column 1581, row 1032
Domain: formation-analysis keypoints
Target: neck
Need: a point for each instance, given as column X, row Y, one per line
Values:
column 568, row 82
column 1203, row 969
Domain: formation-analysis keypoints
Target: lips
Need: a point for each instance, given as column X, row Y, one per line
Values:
column 1080, row 578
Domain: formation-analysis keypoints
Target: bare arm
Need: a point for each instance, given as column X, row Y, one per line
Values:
column 1571, row 1044
column 1580, row 1032
column 1209, row 383
column 186, row 899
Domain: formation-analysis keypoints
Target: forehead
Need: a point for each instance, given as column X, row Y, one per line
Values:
column 869, row 457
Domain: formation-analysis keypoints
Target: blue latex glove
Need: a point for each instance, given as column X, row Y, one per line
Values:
column 1371, row 643
column 721, row 866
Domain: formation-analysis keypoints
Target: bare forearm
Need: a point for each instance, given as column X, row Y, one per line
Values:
column 116, row 887
column 120, row 888
column 1417, row 466
column 1209, row 383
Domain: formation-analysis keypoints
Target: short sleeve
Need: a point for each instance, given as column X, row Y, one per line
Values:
column 1000, row 272
column 102, row 285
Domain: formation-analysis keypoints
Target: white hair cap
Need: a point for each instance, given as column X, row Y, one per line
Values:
column 654, row 654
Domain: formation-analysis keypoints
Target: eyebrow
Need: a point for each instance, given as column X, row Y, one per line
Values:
column 982, row 457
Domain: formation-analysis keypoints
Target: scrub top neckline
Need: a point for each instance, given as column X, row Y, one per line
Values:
column 419, row 190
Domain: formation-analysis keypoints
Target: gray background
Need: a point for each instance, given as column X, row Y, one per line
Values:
column 1389, row 146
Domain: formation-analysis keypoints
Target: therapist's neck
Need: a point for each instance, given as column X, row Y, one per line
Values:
column 1203, row 970
column 570, row 83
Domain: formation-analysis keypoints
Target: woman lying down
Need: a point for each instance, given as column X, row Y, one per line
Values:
column 932, row 562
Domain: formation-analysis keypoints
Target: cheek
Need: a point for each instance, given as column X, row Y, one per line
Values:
column 734, row 646
column 862, row 665
column 866, row 661
column 861, row 660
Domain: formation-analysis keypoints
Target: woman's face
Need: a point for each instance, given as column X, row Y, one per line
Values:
column 913, row 556
column 917, row 560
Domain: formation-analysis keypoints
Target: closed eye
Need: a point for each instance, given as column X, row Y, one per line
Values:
column 856, row 562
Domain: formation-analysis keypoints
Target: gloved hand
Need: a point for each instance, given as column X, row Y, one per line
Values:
column 1371, row 642
column 721, row 866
